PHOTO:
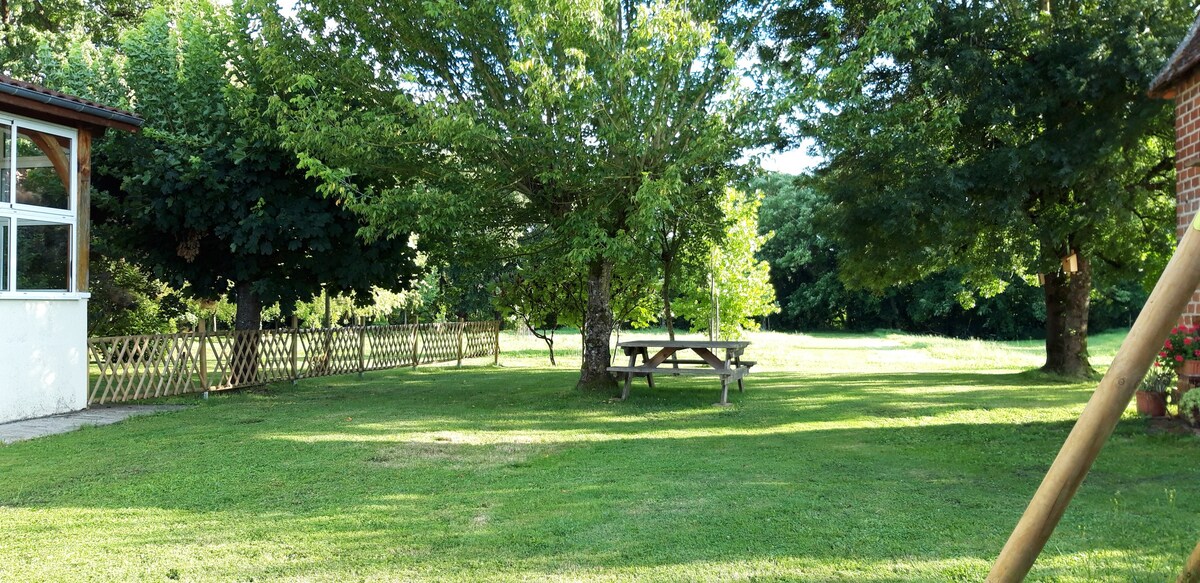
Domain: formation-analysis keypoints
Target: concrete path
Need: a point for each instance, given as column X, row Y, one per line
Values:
column 33, row 428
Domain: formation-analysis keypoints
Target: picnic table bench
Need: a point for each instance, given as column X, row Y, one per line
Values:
column 729, row 368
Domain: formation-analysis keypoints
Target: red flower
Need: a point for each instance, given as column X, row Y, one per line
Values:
column 1168, row 345
column 1164, row 354
column 1175, row 330
column 1187, row 340
column 1178, row 358
column 1197, row 353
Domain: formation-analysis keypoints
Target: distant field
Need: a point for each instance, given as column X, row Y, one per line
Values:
column 876, row 457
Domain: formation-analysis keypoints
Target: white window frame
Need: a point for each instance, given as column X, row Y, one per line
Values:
column 15, row 211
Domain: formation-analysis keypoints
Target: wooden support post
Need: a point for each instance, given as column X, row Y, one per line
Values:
column 362, row 346
column 1191, row 569
column 1103, row 410
column 496, row 345
column 461, row 326
column 295, row 342
column 83, row 207
column 416, row 340
column 200, row 332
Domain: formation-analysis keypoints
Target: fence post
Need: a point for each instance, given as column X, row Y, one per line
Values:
column 416, row 339
column 295, row 349
column 362, row 346
column 461, row 327
column 496, row 345
column 203, row 359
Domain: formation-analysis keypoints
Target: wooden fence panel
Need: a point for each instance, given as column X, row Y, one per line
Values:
column 390, row 346
column 126, row 368
column 439, row 342
column 141, row 367
column 479, row 338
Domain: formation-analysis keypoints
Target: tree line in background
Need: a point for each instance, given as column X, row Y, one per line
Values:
column 584, row 163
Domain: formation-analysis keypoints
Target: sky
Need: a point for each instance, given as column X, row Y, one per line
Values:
column 795, row 161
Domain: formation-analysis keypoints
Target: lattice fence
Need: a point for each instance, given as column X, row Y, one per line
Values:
column 127, row 368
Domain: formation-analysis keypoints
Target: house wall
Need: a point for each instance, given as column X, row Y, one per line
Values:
column 43, row 357
column 1187, row 160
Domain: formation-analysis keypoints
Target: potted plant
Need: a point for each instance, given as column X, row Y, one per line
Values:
column 1189, row 408
column 1181, row 353
column 1152, row 393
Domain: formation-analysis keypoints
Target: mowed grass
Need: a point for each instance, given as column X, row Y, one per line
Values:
column 880, row 457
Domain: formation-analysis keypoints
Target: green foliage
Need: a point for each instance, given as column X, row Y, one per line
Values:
column 1189, row 407
column 126, row 300
column 988, row 138
column 804, row 272
column 507, row 128
column 740, row 281
column 205, row 195
column 27, row 25
column 1158, row 380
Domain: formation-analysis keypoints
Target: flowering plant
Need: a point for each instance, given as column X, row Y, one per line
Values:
column 1183, row 343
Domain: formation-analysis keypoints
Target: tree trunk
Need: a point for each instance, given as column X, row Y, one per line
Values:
column 1066, row 321
column 247, row 321
column 668, row 315
column 598, row 325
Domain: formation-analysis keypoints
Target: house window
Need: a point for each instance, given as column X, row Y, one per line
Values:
column 37, row 214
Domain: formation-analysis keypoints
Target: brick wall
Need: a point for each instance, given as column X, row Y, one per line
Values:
column 1187, row 156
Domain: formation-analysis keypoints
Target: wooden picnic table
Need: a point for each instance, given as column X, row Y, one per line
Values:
column 729, row 368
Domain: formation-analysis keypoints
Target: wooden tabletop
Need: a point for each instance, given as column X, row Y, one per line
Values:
column 718, row 344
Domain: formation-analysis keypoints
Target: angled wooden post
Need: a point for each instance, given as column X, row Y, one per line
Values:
column 200, row 332
column 496, row 344
column 1191, row 569
column 1162, row 310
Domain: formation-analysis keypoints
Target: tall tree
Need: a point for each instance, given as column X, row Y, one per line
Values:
column 478, row 123
column 26, row 24
column 205, row 195
column 996, row 138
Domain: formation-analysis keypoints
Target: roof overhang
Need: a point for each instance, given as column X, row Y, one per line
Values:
column 45, row 104
column 1182, row 62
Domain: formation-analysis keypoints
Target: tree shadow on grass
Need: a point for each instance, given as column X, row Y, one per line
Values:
column 467, row 473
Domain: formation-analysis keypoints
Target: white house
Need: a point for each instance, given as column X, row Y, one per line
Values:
column 45, row 173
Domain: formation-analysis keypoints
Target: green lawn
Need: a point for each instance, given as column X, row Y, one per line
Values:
column 848, row 458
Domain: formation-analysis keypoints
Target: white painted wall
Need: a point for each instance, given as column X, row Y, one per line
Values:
column 43, row 357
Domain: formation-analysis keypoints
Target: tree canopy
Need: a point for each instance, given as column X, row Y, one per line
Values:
column 490, row 125
column 205, row 195
column 995, row 139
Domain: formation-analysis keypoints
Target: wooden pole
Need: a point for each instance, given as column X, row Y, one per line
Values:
column 1191, row 569
column 1171, row 294
column 461, row 325
column 362, row 346
column 295, row 349
column 83, row 204
column 496, row 344
column 416, row 339
column 203, row 356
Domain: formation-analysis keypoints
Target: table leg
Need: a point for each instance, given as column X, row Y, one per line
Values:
column 646, row 361
column 737, row 363
column 629, row 375
column 724, row 390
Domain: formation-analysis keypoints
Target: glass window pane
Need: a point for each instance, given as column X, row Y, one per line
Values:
column 43, row 169
column 43, row 256
column 4, row 235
